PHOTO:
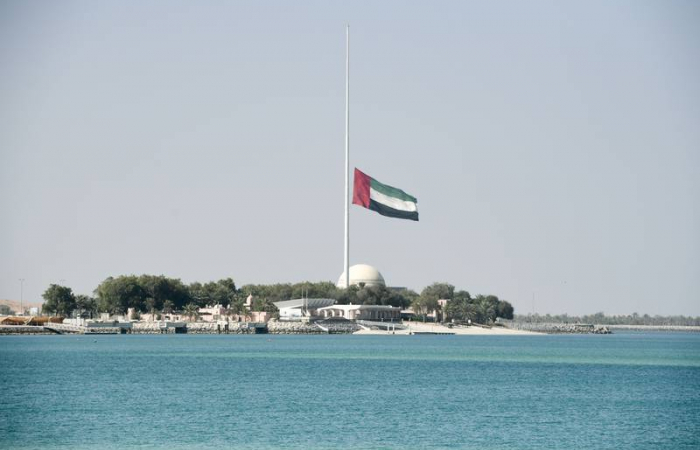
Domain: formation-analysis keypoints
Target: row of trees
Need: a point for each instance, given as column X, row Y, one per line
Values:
column 145, row 293
column 600, row 318
column 62, row 301
column 154, row 294
column 357, row 295
column 157, row 293
column 151, row 293
column 461, row 306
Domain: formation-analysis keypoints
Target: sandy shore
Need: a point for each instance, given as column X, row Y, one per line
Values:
column 415, row 327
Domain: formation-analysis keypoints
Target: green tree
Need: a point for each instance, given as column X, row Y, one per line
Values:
column 461, row 308
column 239, row 308
column 438, row 291
column 168, row 307
column 59, row 300
column 222, row 292
column 117, row 295
column 198, row 294
column 505, row 310
column 422, row 306
column 168, row 289
column 192, row 311
column 485, row 308
column 349, row 295
column 152, row 306
column 86, row 305
column 264, row 305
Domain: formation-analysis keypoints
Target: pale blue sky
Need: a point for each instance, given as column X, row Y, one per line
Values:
column 554, row 147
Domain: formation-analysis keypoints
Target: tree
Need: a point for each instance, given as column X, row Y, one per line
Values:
column 485, row 308
column 431, row 294
column 86, row 304
column 239, row 308
column 152, row 305
column 222, row 292
column 170, row 289
column 117, row 295
column 422, row 306
column 264, row 305
column 152, row 287
column 192, row 311
column 505, row 310
column 198, row 293
column 168, row 307
column 461, row 308
column 347, row 296
column 438, row 291
column 59, row 300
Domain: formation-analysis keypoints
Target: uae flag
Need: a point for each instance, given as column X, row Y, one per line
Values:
column 384, row 199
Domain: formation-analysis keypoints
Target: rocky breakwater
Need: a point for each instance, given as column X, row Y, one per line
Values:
column 146, row 328
column 192, row 328
column 277, row 327
column 219, row 328
column 23, row 329
column 560, row 328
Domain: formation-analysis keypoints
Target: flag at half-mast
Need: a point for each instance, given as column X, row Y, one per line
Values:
column 384, row 199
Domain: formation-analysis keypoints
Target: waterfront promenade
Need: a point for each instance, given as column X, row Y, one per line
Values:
column 349, row 327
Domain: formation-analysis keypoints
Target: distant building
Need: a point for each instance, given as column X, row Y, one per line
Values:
column 361, row 312
column 299, row 308
column 212, row 313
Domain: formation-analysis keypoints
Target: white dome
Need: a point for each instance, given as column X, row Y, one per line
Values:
column 362, row 273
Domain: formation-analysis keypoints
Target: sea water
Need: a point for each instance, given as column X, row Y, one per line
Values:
column 634, row 390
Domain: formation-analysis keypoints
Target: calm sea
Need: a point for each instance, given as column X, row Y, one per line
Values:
column 621, row 391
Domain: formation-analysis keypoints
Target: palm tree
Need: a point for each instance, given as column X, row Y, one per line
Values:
column 467, row 311
column 228, row 312
column 485, row 310
column 238, row 307
column 191, row 310
column 151, row 306
column 168, row 307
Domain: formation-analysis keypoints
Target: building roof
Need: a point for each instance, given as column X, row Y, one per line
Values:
column 310, row 303
column 362, row 273
column 360, row 307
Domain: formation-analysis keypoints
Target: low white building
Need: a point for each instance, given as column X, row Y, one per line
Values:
column 212, row 313
column 361, row 312
column 299, row 308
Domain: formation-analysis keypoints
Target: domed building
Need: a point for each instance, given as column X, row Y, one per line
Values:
column 362, row 273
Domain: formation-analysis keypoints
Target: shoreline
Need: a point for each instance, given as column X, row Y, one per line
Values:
column 405, row 329
column 414, row 328
column 274, row 328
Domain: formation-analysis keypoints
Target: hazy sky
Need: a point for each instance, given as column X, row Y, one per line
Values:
column 554, row 147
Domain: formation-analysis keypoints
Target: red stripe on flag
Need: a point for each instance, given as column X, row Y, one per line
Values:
column 360, row 191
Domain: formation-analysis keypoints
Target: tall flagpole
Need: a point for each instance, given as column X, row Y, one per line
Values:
column 347, row 156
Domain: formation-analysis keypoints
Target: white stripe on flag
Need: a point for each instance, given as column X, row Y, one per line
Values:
column 392, row 202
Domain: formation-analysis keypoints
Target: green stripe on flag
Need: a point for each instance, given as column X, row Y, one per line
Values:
column 392, row 191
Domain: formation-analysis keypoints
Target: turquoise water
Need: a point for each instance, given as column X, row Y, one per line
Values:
column 638, row 391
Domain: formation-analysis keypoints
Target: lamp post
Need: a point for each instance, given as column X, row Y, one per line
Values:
column 21, row 296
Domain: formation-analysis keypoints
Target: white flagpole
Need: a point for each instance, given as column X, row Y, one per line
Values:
column 347, row 156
